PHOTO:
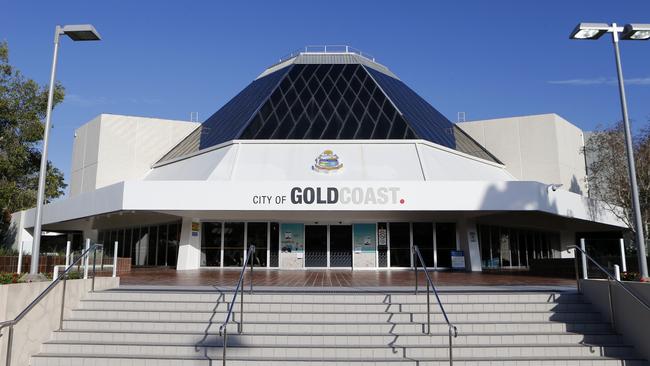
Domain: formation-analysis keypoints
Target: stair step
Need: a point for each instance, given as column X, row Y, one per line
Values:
column 337, row 339
column 212, row 297
column 331, row 327
column 323, row 307
column 317, row 352
column 301, row 316
column 45, row 359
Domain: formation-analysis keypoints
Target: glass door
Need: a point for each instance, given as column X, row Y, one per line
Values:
column 233, row 244
column 445, row 243
column 423, row 238
column 341, row 246
column 211, row 244
column 400, row 244
column 315, row 245
column 257, row 235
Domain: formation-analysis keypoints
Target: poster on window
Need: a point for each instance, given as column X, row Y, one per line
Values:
column 292, row 238
column 365, row 237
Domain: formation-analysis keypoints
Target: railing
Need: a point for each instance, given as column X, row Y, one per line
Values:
column 63, row 277
column 223, row 329
column 610, row 277
column 326, row 49
column 453, row 331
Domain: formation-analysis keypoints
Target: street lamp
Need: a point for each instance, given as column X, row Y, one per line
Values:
column 638, row 32
column 81, row 32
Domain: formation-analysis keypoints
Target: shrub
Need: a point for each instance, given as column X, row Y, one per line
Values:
column 9, row 277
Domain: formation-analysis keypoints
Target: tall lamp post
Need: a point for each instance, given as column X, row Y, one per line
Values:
column 82, row 32
column 635, row 32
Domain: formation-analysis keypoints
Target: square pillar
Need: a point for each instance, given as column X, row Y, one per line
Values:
column 189, row 247
column 468, row 238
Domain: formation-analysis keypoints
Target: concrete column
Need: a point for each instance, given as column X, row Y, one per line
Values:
column 468, row 237
column 18, row 234
column 189, row 248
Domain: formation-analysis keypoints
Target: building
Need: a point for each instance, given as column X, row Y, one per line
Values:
column 327, row 159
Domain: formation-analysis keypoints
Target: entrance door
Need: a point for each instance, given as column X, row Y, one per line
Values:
column 341, row 246
column 315, row 245
column 445, row 243
column 400, row 244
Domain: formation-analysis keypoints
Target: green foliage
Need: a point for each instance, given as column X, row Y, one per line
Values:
column 23, row 106
column 4, row 251
column 6, row 278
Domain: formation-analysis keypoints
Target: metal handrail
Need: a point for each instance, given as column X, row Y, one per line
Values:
column 223, row 329
column 62, row 277
column 610, row 277
column 453, row 331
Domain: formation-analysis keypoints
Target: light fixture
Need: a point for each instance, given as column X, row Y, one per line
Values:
column 636, row 32
column 589, row 31
column 81, row 32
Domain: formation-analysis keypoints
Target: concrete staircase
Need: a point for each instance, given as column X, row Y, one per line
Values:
column 129, row 327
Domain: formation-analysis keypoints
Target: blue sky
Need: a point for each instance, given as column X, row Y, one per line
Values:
column 488, row 59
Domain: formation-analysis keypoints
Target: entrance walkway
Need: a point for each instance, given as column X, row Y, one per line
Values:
column 332, row 278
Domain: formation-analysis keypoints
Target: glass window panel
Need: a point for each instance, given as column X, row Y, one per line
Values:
column 161, row 256
column 495, row 245
column 333, row 127
column 257, row 235
column 504, row 242
column 153, row 246
column 400, row 244
column 484, row 243
column 211, row 244
column 233, row 244
column 423, row 238
column 445, row 243
column 173, row 240
column 514, row 248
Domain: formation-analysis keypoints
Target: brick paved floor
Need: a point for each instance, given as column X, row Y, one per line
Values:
column 343, row 278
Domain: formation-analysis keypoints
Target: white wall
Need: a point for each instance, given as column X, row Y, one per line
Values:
column 113, row 148
column 544, row 148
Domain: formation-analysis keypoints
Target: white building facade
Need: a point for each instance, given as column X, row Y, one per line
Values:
column 327, row 160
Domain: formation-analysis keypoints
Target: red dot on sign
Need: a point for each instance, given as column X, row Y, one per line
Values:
column 401, row 201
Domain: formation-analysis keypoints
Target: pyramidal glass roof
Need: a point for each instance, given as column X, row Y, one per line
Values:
column 329, row 96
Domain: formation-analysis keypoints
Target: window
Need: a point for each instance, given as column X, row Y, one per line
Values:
column 211, row 244
column 233, row 244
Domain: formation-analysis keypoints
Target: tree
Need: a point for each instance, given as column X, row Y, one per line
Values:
column 23, row 105
column 608, row 174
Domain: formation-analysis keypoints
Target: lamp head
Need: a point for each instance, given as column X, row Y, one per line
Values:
column 589, row 31
column 81, row 32
column 636, row 32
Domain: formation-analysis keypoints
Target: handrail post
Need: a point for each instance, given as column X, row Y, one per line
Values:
column 225, row 343
column 92, row 287
column 10, row 338
column 575, row 262
column 251, row 259
column 86, row 260
column 451, row 348
column 415, row 263
column 241, row 309
column 584, row 259
column 611, row 302
column 65, row 278
column 428, row 309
